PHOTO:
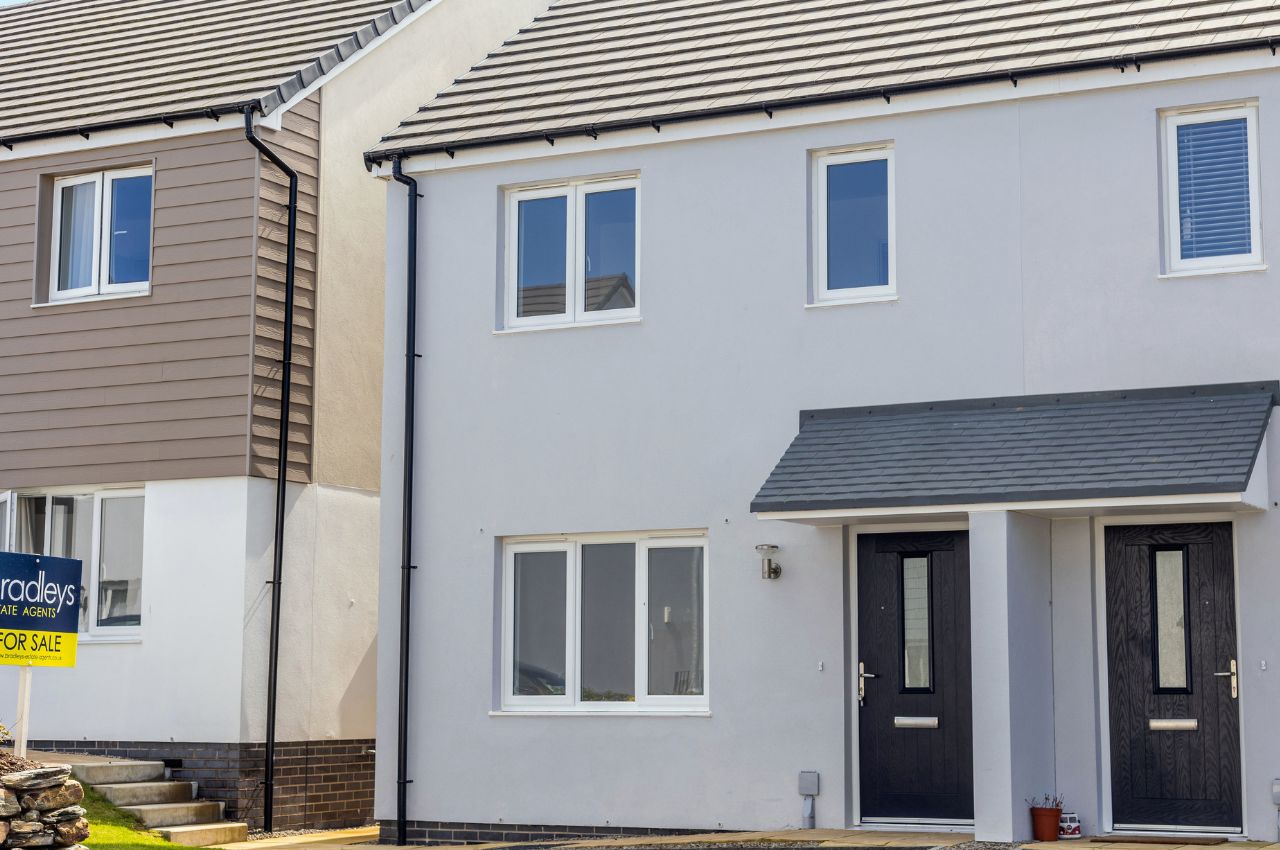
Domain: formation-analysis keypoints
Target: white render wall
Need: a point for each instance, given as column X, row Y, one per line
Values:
column 198, row 672
column 1028, row 261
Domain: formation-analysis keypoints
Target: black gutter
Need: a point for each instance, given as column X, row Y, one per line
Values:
column 282, row 466
column 168, row 118
column 406, row 517
column 1119, row 62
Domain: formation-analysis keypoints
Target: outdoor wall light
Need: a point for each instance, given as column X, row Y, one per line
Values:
column 769, row 568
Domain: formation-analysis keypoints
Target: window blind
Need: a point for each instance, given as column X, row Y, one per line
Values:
column 1213, row 189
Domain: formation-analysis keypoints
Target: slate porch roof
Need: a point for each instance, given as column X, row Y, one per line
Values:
column 589, row 66
column 68, row 66
column 1184, row 440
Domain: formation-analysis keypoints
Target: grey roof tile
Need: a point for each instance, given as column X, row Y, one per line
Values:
column 1132, row 443
column 73, row 65
column 602, row 59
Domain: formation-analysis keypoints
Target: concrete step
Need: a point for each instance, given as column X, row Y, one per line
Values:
column 117, row 772
column 206, row 834
column 142, row 793
column 155, row 815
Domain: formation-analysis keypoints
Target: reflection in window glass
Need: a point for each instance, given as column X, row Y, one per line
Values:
column 858, row 224
column 540, row 261
column 610, row 271
column 915, row 622
column 1171, row 619
column 75, row 236
column 130, row 233
column 120, row 563
column 676, row 633
column 608, row 622
column 30, row 526
column 539, row 621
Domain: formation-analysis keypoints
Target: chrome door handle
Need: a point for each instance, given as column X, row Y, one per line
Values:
column 863, row 675
column 1234, row 675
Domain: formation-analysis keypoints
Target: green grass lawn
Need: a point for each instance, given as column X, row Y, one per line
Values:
column 112, row 829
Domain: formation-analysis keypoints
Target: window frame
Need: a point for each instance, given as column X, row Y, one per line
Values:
column 100, row 286
column 822, row 160
column 95, row 571
column 571, row 702
column 1171, row 120
column 575, row 194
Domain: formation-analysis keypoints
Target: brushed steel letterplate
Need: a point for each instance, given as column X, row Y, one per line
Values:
column 915, row 723
column 1234, row 675
column 1173, row 724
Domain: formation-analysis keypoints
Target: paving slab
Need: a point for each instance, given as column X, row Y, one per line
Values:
column 335, row 838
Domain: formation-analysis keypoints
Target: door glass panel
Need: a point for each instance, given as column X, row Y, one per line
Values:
column 75, row 236
column 676, row 635
column 120, row 567
column 915, row 623
column 541, row 263
column 610, row 255
column 538, row 654
column 608, row 622
column 130, row 233
column 1171, row 619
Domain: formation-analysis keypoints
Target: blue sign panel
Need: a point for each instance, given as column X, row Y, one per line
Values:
column 39, row 610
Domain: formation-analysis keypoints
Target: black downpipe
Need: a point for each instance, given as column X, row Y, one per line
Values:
column 406, row 522
column 282, row 468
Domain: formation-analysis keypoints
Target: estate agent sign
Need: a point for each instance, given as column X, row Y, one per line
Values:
column 39, row 610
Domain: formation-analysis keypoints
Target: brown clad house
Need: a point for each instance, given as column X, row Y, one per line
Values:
column 146, row 254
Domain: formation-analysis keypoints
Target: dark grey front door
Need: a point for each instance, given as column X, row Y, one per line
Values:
column 1171, row 653
column 915, row 727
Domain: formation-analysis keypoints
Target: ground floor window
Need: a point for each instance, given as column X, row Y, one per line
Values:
column 103, row 530
column 605, row 622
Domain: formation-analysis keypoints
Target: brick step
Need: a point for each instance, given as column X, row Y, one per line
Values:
column 155, row 815
column 118, row 772
column 142, row 793
column 206, row 834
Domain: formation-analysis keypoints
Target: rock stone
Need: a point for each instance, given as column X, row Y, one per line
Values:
column 57, row 797
column 29, row 816
column 71, row 833
column 4, row 830
column 9, row 805
column 60, row 815
column 39, row 777
column 39, row 839
column 23, row 828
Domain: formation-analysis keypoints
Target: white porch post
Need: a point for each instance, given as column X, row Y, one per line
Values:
column 1013, row 730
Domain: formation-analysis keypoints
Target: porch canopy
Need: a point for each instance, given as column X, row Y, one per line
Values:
column 1183, row 446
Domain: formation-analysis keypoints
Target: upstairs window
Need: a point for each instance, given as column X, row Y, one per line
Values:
column 101, row 234
column 854, row 224
column 572, row 253
column 1211, row 193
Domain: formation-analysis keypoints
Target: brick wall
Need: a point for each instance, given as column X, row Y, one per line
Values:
column 319, row 784
column 448, row 832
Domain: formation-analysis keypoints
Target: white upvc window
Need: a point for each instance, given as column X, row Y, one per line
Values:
column 101, row 234
column 605, row 623
column 854, row 232
column 1213, row 217
column 103, row 530
column 572, row 253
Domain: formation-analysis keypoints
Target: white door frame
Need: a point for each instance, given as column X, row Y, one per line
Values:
column 854, row 803
column 1100, row 524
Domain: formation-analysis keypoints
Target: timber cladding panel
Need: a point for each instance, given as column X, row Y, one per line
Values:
column 298, row 143
column 139, row 388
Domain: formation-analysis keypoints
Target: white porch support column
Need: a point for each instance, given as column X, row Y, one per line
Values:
column 1013, row 731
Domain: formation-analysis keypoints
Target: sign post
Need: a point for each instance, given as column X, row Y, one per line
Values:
column 39, row 622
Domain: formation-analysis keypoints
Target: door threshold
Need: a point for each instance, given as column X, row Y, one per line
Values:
column 1170, row 834
column 915, row 825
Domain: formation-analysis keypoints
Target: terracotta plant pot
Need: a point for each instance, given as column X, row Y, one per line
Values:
column 1044, row 823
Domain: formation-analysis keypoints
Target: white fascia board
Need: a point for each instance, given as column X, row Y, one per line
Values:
column 100, row 139
column 272, row 121
column 900, row 104
column 1257, row 492
column 1078, row 507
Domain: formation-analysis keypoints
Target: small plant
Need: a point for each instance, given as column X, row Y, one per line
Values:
column 1048, row 801
column 5, row 735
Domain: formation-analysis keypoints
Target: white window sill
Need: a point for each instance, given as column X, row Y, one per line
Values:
column 86, row 639
column 578, row 712
column 1253, row 267
column 879, row 298
column 83, row 299
column 630, row 320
